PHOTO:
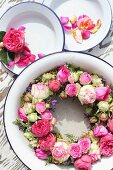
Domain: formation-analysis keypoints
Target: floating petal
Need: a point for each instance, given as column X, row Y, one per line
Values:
column 64, row 20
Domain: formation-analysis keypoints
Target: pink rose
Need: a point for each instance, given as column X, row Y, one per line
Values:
column 47, row 142
column 75, row 150
column 22, row 114
column 23, row 62
column 14, row 40
column 41, row 154
column 71, row 90
column 106, row 145
column 41, row 128
column 85, row 144
column 83, row 163
column 94, row 157
column 54, row 85
column 110, row 125
column 71, row 79
column 100, row 131
column 60, row 151
column 46, row 115
column 40, row 107
column 40, row 91
column 102, row 93
column 63, row 74
column 85, row 78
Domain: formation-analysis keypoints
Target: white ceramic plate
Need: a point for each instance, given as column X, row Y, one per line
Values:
column 96, row 9
column 15, row 137
column 44, row 32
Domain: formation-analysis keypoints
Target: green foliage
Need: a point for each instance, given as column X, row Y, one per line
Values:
column 2, row 33
column 21, row 124
column 6, row 56
column 71, row 138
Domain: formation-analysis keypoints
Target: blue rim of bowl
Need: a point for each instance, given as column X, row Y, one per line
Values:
column 101, row 40
column 17, row 78
column 41, row 4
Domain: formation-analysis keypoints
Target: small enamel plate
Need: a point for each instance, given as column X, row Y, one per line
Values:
column 95, row 9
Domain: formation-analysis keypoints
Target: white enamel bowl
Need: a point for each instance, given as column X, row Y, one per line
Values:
column 15, row 137
column 43, row 34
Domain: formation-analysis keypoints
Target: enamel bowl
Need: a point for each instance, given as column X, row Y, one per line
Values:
column 15, row 137
column 44, row 32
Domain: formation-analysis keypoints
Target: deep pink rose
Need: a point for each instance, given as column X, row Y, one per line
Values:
column 22, row 114
column 63, row 74
column 23, row 62
column 41, row 154
column 46, row 115
column 106, row 145
column 110, row 125
column 14, row 40
column 40, row 107
column 100, row 131
column 85, row 144
column 54, row 85
column 75, row 150
column 41, row 128
column 47, row 142
column 94, row 157
column 85, row 78
column 83, row 163
column 102, row 93
column 71, row 90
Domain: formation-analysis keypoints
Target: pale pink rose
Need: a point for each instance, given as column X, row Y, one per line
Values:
column 94, row 157
column 40, row 91
column 85, row 78
column 106, row 145
column 100, row 131
column 102, row 93
column 87, row 94
column 53, row 121
column 41, row 128
column 63, row 74
column 47, row 142
column 110, row 125
column 41, row 154
column 85, row 144
column 71, row 90
column 71, row 79
column 83, row 163
column 60, row 151
column 54, row 85
column 14, row 40
column 46, row 115
column 40, row 107
column 22, row 114
column 75, row 150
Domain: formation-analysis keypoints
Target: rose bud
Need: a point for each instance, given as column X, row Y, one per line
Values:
column 27, row 97
column 93, row 120
column 88, row 110
column 103, row 106
column 32, row 117
column 63, row 95
column 103, row 117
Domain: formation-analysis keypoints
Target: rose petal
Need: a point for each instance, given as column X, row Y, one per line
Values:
column 32, row 58
column 67, row 28
column 41, row 55
column 74, row 25
column 21, row 28
column 91, row 26
column 85, row 34
column 76, row 33
column 11, row 64
column 96, row 28
column 82, row 16
column 64, row 20
column 17, row 58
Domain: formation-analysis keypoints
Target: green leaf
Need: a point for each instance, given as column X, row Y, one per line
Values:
column 2, row 33
column 71, row 138
column 4, row 56
column 21, row 124
column 11, row 55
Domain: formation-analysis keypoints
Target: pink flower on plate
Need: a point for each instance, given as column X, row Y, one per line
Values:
column 75, row 150
column 106, row 145
column 41, row 154
column 63, row 74
column 47, row 142
column 23, row 62
column 22, row 114
column 60, row 151
column 110, row 125
column 71, row 90
column 94, row 152
column 85, row 144
column 40, row 107
column 40, row 91
column 14, row 40
column 41, row 128
column 100, row 131
column 46, row 115
column 85, row 78
column 94, row 157
column 102, row 93
column 54, row 85
column 83, row 163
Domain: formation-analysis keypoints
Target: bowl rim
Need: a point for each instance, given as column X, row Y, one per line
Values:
column 17, row 78
column 41, row 4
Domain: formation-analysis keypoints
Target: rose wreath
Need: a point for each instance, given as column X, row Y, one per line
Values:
column 36, row 120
